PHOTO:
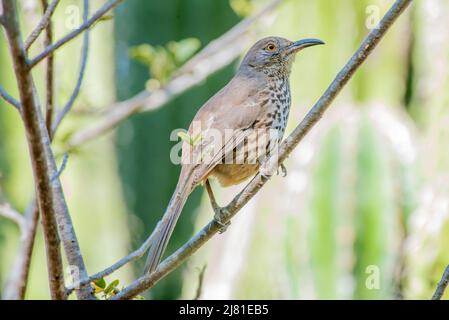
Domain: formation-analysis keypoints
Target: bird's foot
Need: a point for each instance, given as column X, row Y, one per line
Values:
column 283, row 170
column 220, row 213
column 268, row 168
column 265, row 173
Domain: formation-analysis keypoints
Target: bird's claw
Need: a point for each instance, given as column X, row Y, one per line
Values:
column 265, row 176
column 283, row 170
column 218, row 218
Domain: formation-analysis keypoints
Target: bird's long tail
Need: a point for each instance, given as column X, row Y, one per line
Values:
column 167, row 224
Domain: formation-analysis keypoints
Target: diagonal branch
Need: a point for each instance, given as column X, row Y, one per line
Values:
column 89, row 23
column 442, row 285
column 8, row 98
column 43, row 24
column 133, row 256
column 172, row 262
column 215, row 56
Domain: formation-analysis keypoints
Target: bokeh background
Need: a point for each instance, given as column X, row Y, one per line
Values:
column 364, row 210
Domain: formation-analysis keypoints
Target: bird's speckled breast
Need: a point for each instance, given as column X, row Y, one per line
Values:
column 277, row 105
column 277, row 108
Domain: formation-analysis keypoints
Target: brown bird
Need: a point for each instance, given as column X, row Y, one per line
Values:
column 234, row 131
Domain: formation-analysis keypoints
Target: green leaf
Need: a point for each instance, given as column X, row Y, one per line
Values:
column 96, row 288
column 163, row 61
column 112, row 286
column 242, row 8
column 101, row 283
column 184, row 49
column 144, row 54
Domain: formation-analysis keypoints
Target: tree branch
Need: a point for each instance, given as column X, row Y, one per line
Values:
column 442, row 285
column 199, row 289
column 9, row 99
column 50, row 65
column 2, row 18
column 43, row 24
column 172, row 262
column 213, row 57
column 39, row 154
column 84, row 53
column 133, row 256
column 50, row 197
column 8, row 212
column 17, row 282
column 90, row 22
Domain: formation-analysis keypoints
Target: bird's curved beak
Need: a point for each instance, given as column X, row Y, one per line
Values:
column 301, row 44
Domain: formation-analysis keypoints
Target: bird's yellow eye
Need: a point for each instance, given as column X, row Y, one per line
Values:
column 270, row 47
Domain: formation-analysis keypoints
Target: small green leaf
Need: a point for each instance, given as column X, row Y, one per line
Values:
column 111, row 286
column 242, row 8
column 100, row 283
column 106, row 17
column 163, row 61
column 96, row 288
column 143, row 53
column 184, row 49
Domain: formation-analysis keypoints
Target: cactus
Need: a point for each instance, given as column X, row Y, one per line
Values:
column 353, row 224
column 325, row 216
column 375, row 220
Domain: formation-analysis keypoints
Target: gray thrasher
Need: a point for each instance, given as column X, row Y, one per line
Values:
column 253, row 105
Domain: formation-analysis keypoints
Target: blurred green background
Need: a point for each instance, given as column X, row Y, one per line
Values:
column 364, row 210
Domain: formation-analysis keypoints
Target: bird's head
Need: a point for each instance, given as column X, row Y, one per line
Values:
column 275, row 55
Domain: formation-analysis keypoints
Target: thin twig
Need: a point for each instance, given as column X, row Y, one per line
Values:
column 2, row 18
column 84, row 53
column 90, row 22
column 8, row 98
column 172, row 262
column 43, row 24
column 7, row 211
column 61, row 169
column 442, row 285
column 215, row 56
column 199, row 289
column 17, row 281
column 50, row 66
column 133, row 256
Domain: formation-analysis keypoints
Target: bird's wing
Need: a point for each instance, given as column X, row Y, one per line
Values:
column 223, row 123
